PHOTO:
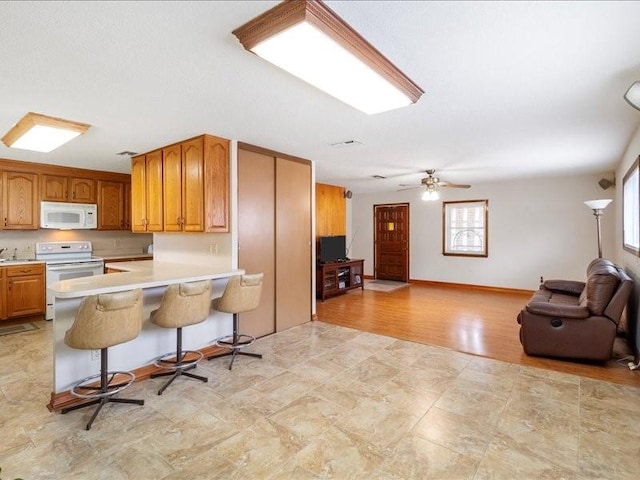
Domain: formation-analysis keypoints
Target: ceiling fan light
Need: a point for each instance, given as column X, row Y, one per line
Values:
column 430, row 195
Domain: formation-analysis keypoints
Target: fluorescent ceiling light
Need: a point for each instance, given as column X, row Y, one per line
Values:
column 632, row 96
column 308, row 40
column 41, row 133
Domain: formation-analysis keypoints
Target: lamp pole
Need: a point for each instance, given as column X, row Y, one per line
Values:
column 598, row 206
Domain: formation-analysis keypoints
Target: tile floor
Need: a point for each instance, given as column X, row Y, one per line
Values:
column 325, row 402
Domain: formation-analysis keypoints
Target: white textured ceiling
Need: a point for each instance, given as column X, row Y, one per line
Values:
column 513, row 89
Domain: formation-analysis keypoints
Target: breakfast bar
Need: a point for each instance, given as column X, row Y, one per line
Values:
column 152, row 277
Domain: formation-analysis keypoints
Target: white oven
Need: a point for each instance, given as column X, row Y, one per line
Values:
column 67, row 260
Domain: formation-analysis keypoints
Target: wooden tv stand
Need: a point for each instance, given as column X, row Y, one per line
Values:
column 336, row 278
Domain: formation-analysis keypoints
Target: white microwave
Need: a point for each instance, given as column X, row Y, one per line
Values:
column 68, row 216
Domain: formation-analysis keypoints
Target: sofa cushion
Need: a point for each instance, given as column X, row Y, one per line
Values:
column 598, row 292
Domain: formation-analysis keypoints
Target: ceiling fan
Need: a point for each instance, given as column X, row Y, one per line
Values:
column 431, row 184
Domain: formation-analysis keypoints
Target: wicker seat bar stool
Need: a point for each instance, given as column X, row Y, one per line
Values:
column 182, row 305
column 103, row 321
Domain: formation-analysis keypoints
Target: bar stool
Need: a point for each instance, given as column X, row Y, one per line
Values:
column 103, row 321
column 182, row 305
column 241, row 294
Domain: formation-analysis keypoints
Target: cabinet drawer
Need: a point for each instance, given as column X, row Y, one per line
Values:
column 20, row 270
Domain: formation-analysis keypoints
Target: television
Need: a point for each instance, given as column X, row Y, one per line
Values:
column 333, row 249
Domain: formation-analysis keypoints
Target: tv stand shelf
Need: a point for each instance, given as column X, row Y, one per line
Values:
column 336, row 278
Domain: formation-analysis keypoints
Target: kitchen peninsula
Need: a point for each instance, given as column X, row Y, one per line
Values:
column 71, row 365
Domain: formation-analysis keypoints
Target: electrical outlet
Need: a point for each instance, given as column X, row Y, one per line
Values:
column 213, row 248
column 541, row 279
column 116, row 243
column 95, row 355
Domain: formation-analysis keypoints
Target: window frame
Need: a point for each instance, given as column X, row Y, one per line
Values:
column 633, row 169
column 447, row 208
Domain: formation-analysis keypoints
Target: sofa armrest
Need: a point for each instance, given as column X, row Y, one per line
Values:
column 566, row 286
column 558, row 310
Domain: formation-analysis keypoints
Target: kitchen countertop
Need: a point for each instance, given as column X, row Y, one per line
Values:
column 138, row 274
column 107, row 258
column 4, row 263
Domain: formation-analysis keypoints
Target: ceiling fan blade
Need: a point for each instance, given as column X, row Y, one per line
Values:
column 410, row 185
column 408, row 188
column 452, row 185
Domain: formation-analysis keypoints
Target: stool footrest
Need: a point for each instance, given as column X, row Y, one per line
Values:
column 170, row 361
column 240, row 341
column 88, row 388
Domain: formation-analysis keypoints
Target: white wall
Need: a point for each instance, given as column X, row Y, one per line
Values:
column 537, row 227
column 630, row 261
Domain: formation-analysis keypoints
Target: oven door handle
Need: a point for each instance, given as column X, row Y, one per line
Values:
column 84, row 266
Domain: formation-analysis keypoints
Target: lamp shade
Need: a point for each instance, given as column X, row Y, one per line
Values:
column 598, row 204
column 633, row 95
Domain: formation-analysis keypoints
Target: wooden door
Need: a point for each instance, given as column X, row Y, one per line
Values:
column 256, row 235
column 138, row 194
column 20, row 201
column 54, row 188
column 110, row 205
column 83, row 190
column 153, row 187
column 172, row 188
column 192, row 216
column 293, row 245
column 391, row 242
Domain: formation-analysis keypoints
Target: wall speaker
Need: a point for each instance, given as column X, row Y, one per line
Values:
column 348, row 194
column 604, row 183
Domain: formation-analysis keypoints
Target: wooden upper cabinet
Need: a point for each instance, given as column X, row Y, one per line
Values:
column 82, row 190
column 172, row 188
column 193, row 185
column 216, row 184
column 154, row 198
column 127, row 206
column 110, row 205
column 54, row 188
column 146, row 192
column 182, row 187
column 61, row 188
column 20, row 206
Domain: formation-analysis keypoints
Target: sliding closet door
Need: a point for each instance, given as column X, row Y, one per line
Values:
column 293, row 245
column 256, row 235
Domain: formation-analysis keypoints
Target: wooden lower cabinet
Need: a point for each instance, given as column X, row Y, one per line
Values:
column 25, row 290
column 3, row 295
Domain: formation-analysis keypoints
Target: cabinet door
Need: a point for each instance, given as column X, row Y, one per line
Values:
column 192, row 186
column 126, row 206
column 20, row 201
column 216, row 184
column 110, row 205
column 82, row 190
column 54, row 188
column 153, row 187
column 25, row 295
column 138, row 194
column 3, row 295
column 172, row 188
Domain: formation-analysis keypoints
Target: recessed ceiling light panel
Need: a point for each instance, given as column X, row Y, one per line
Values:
column 41, row 133
column 308, row 40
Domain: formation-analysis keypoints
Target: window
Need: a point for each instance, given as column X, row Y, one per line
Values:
column 465, row 228
column 631, row 210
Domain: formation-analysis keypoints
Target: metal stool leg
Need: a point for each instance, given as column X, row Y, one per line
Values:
column 234, row 343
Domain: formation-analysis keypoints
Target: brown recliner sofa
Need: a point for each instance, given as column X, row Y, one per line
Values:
column 576, row 320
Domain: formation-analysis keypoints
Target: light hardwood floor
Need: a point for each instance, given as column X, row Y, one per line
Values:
column 466, row 320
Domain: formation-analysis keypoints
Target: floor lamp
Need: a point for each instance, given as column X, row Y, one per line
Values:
column 598, row 206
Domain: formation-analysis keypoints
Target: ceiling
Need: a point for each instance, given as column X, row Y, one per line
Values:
column 513, row 89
